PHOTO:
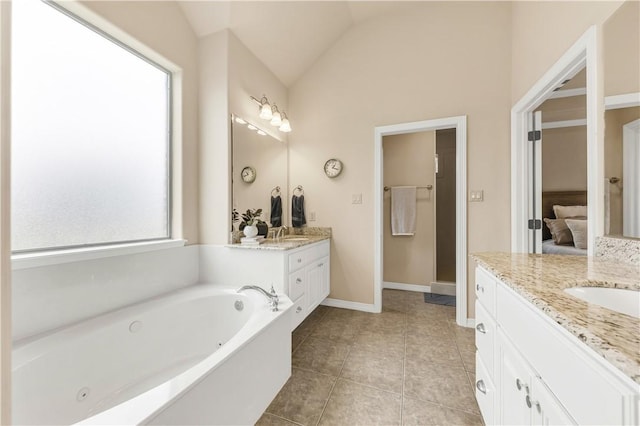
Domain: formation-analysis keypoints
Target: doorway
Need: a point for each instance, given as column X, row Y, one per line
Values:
column 525, row 219
column 458, row 124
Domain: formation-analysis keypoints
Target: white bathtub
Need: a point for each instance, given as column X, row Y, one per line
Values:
column 189, row 357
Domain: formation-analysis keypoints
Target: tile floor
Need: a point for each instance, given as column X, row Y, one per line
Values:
column 409, row 365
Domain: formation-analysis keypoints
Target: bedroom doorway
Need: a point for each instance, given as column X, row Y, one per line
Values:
column 459, row 125
column 526, row 153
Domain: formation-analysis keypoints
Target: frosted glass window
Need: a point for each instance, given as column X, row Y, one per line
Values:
column 90, row 136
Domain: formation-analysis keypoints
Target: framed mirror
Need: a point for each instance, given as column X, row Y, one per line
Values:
column 622, row 122
column 259, row 171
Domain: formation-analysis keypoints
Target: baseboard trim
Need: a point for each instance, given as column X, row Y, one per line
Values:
column 345, row 304
column 407, row 287
column 471, row 322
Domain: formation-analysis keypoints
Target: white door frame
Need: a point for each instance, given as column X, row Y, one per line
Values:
column 5, row 212
column 583, row 53
column 630, row 178
column 460, row 124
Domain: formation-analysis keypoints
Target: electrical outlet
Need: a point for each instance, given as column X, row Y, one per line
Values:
column 476, row 195
column 312, row 216
column 356, row 198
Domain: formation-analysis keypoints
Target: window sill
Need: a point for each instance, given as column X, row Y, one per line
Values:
column 34, row 260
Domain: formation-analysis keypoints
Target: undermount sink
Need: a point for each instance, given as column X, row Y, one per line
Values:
column 617, row 299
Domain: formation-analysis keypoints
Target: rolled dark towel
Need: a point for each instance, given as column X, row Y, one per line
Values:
column 276, row 211
column 297, row 211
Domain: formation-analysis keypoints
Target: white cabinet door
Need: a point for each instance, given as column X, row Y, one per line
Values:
column 546, row 409
column 313, row 275
column 515, row 387
column 326, row 278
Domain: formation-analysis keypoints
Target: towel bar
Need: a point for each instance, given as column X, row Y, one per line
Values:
column 429, row 187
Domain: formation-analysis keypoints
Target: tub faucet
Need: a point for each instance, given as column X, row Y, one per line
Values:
column 271, row 295
column 283, row 229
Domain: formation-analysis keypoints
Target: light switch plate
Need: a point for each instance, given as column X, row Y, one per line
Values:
column 312, row 216
column 476, row 195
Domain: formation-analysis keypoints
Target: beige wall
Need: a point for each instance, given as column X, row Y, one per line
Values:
column 408, row 160
column 571, row 108
column 442, row 59
column 622, row 50
column 542, row 33
column 162, row 27
column 229, row 74
column 564, row 159
column 614, row 120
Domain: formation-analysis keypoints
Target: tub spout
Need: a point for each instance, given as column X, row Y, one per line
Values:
column 270, row 295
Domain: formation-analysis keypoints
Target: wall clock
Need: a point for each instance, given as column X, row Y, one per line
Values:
column 333, row 168
column 248, row 174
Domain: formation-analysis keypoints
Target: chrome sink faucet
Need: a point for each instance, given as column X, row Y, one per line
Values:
column 283, row 230
column 270, row 295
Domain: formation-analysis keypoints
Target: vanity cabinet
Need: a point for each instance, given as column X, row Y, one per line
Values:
column 308, row 279
column 530, row 370
column 302, row 273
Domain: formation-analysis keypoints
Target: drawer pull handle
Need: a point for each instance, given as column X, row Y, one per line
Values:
column 479, row 288
column 481, row 386
column 531, row 403
column 481, row 329
column 298, row 280
column 299, row 309
column 299, row 260
column 320, row 265
column 518, row 384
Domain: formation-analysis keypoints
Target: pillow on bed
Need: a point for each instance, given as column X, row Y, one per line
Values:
column 560, row 232
column 563, row 212
column 578, row 229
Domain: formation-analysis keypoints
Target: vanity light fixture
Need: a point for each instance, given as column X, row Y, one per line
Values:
column 269, row 111
column 252, row 127
column 285, row 127
column 276, row 118
column 265, row 108
column 262, row 133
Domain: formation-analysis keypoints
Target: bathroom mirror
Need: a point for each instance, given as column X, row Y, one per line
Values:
column 268, row 158
column 622, row 122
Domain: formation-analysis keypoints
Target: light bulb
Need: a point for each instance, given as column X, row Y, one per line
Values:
column 252, row 127
column 240, row 121
column 285, row 127
column 261, row 132
column 265, row 109
column 276, row 120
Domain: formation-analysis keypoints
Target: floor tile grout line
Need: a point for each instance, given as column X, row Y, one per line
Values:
column 285, row 419
column 333, row 386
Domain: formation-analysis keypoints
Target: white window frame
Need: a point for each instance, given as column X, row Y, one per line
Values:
column 43, row 257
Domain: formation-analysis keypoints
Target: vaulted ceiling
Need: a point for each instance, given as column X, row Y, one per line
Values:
column 287, row 36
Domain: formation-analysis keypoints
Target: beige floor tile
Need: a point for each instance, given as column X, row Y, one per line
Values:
column 387, row 322
column 421, row 358
column 303, row 397
column 320, row 355
column 374, row 369
column 271, row 420
column 390, row 345
column 415, row 412
column 469, row 360
column 446, row 386
column 336, row 329
column 354, row 404
column 297, row 338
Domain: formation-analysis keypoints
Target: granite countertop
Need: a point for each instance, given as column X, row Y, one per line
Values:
column 296, row 237
column 541, row 279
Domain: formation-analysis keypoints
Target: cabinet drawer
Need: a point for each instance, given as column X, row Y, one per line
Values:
column 299, row 259
column 296, row 284
column 486, row 290
column 485, row 392
column 485, row 337
column 299, row 312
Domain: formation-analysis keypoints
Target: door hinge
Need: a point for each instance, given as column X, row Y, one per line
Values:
column 534, row 135
column 535, row 224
